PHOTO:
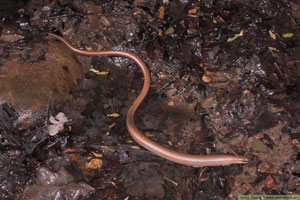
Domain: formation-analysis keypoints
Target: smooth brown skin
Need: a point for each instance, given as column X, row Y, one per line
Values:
column 185, row 159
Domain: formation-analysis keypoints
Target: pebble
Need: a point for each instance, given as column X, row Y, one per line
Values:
column 265, row 166
column 269, row 182
column 171, row 104
column 206, row 79
column 94, row 12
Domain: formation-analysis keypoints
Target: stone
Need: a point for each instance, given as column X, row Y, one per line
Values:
column 26, row 86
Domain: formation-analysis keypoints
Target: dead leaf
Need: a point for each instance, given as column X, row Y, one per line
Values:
column 111, row 126
column 98, row 155
column 94, row 164
column 272, row 35
column 113, row 115
column 287, row 35
column 57, row 123
column 98, row 72
column 161, row 12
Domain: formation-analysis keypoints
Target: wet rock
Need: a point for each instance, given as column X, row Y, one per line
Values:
column 7, row 116
column 27, row 86
column 56, row 185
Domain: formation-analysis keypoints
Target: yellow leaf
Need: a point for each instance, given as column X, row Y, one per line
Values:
column 272, row 35
column 233, row 38
column 112, row 125
column 272, row 48
column 287, row 35
column 236, row 36
column 98, row 72
column 103, row 73
column 113, row 115
column 136, row 147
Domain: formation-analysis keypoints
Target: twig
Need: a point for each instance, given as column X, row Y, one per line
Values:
column 142, row 43
column 166, row 178
column 175, row 186
column 48, row 108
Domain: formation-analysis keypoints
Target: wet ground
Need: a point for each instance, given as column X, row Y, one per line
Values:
column 225, row 80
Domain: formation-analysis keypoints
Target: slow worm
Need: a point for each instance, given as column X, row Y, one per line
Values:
column 185, row 159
